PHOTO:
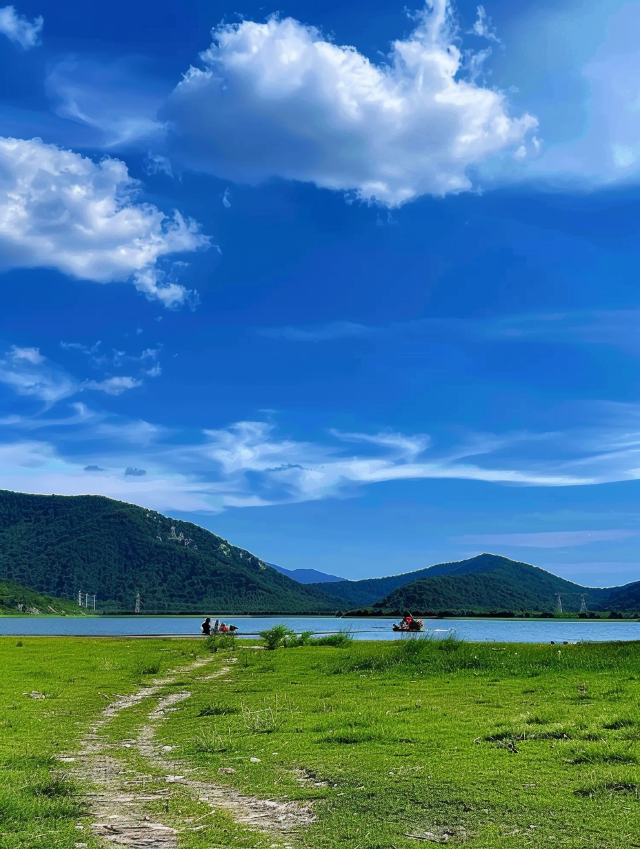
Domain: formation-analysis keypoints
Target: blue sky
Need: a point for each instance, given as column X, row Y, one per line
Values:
column 354, row 288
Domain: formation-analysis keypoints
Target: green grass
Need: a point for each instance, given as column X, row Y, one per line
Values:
column 39, row 809
column 483, row 745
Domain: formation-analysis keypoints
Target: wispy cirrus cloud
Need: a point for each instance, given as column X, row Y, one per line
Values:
column 29, row 373
column 254, row 464
column 317, row 333
column 617, row 328
column 19, row 29
column 548, row 539
column 147, row 360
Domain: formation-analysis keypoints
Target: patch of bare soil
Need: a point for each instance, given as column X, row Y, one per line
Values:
column 117, row 806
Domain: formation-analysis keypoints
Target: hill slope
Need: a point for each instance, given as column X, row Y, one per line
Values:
column 15, row 599
column 489, row 582
column 373, row 590
column 61, row 544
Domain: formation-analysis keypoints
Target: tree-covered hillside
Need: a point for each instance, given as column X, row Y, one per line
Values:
column 62, row 544
column 361, row 594
column 488, row 583
column 15, row 599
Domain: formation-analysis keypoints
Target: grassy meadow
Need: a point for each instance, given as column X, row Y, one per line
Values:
column 396, row 745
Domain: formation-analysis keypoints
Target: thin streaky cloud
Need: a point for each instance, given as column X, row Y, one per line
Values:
column 317, row 333
column 547, row 539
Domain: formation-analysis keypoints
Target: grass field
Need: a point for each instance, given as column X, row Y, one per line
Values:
column 390, row 744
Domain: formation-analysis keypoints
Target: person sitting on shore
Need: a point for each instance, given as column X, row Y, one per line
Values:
column 223, row 628
column 206, row 626
column 216, row 626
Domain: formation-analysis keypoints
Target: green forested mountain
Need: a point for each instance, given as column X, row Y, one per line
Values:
column 61, row 544
column 624, row 598
column 513, row 586
column 489, row 583
column 15, row 599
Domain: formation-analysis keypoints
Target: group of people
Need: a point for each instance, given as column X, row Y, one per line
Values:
column 408, row 623
column 218, row 627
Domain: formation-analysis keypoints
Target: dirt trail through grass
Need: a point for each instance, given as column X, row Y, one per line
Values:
column 125, row 787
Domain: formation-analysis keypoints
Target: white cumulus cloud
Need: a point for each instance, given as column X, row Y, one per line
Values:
column 61, row 210
column 18, row 29
column 277, row 99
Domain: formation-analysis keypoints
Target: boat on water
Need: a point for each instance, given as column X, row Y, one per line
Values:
column 409, row 626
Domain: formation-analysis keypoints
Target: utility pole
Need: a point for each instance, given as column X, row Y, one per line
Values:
column 558, row 603
column 137, row 609
column 583, row 603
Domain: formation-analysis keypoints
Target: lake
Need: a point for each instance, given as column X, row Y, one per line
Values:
column 474, row 630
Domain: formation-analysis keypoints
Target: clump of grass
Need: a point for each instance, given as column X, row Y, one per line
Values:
column 146, row 666
column 340, row 640
column 602, row 755
column 621, row 722
column 218, row 710
column 268, row 719
column 351, row 738
column 211, row 742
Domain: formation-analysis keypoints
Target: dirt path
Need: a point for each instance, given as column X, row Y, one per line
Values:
column 118, row 803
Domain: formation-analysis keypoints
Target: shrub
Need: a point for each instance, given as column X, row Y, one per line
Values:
column 277, row 636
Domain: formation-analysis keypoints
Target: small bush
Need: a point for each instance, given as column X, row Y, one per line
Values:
column 278, row 636
column 221, row 642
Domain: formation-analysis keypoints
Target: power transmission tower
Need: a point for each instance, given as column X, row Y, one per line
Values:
column 583, row 603
column 558, row 603
column 79, row 598
column 137, row 609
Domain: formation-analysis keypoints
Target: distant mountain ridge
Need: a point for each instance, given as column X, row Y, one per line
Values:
column 307, row 576
column 61, row 544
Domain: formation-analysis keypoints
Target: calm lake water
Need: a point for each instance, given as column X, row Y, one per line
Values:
column 475, row 630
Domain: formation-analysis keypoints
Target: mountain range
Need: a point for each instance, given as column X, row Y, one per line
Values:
column 60, row 545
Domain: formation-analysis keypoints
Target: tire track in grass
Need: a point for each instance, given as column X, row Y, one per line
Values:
column 117, row 804
column 267, row 815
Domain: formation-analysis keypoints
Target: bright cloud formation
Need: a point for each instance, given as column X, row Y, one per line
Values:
column 61, row 210
column 20, row 30
column 250, row 464
column 279, row 100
